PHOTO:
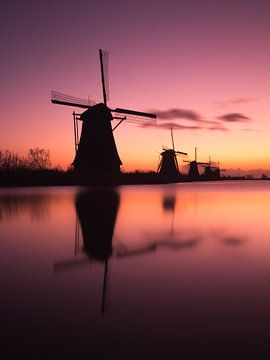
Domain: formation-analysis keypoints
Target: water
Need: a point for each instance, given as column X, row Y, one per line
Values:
column 163, row 271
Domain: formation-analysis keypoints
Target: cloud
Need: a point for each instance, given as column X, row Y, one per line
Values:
column 175, row 113
column 233, row 117
column 252, row 130
column 236, row 101
column 192, row 120
column 172, row 125
column 218, row 127
column 242, row 100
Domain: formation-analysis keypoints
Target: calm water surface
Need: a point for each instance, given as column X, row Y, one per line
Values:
column 172, row 271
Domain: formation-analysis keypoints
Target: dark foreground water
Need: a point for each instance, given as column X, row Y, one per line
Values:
column 139, row 272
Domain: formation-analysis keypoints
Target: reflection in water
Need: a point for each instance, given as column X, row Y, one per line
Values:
column 161, row 239
column 35, row 205
column 234, row 241
column 168, row 204
column 206, row 302
column 96, row 211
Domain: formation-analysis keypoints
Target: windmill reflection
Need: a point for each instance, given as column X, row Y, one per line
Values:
column 96, row 211
column 172, row 239
column 168, row 204
column 169, row 239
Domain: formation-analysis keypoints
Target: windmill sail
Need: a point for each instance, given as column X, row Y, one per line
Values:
column 135, row 113
column 104, row 65
column 131, row 116
column 136, row 117
column 63, row 99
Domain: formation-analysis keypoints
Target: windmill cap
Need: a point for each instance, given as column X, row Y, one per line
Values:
column 99, row 110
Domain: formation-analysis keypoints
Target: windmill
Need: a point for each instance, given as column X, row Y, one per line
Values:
column 95, row 151
column 168, row 164
column 193, row 172
column 212, row 172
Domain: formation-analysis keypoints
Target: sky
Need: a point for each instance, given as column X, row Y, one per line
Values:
column 201, row 65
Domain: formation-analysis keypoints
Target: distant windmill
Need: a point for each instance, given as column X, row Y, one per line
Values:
column 193, row 172
column 211, row 171
column 168, row 164
column 96, row 150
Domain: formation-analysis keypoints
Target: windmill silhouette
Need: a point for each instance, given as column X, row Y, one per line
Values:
column 96, row 151
column 96, row 213
column 211, row 170
column 193, row 172
column 168, row 164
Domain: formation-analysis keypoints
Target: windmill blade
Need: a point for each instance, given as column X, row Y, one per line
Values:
column 180, row 152
column 202, row 163
column 135, row 113
column 104, row 67
column 172, row 139
column 137, row 119
column 63, row 99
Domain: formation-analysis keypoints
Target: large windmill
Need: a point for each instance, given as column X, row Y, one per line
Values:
column 96, row 151
column 168, row 164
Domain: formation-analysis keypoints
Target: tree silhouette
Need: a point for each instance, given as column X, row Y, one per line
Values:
column 10, row 161
column 38, row 159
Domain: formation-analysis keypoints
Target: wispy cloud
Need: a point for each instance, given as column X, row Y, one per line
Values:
column 236, row 101
column 251, row 130
column 218, row 127
column 233, row 118
column 186, row 119
column 173, row 125
column 176, row 113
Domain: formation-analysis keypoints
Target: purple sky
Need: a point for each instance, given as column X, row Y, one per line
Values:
column 209, row 58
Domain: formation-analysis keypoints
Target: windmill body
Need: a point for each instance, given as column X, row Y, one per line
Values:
column 193, row 171
column 168, row 165
column 97, row 152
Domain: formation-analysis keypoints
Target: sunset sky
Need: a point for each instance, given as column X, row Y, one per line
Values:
column 202, row 65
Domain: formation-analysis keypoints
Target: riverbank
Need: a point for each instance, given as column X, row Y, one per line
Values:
column 70, row 178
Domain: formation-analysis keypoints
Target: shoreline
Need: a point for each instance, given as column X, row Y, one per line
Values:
column 71, row 178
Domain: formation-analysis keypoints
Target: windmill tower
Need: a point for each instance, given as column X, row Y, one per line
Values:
column 168, row 164
column 96, row 151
